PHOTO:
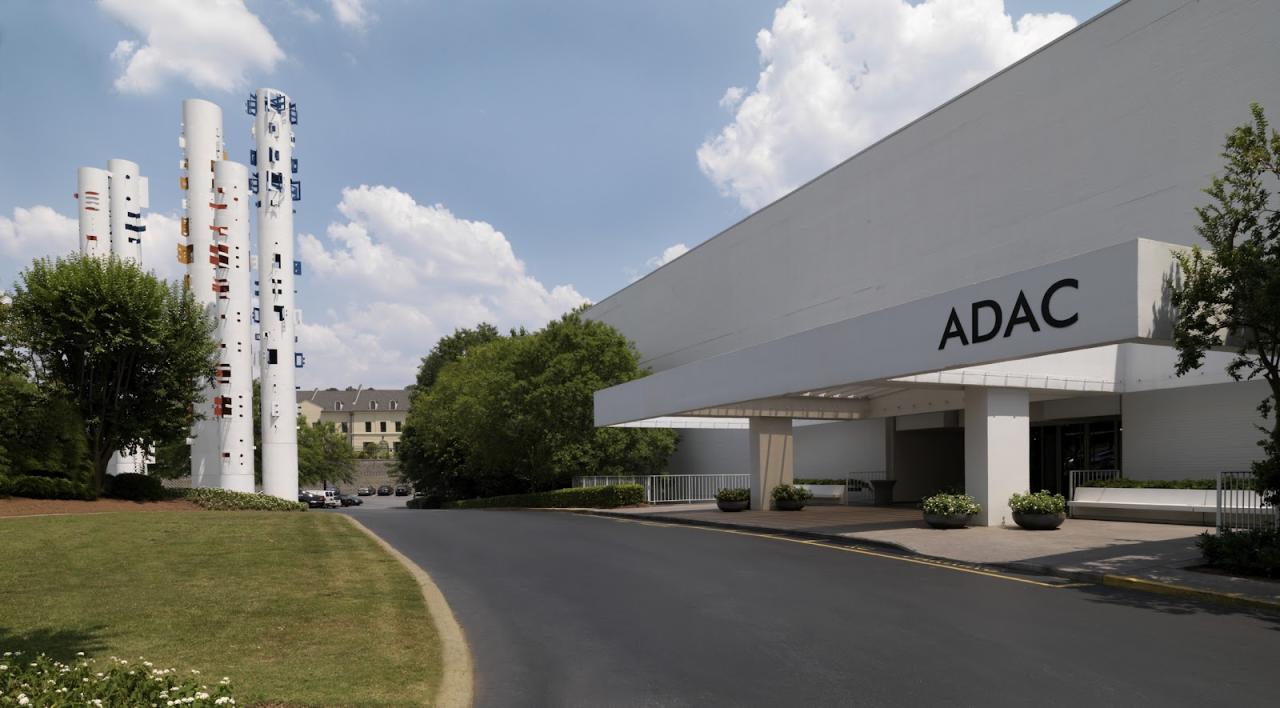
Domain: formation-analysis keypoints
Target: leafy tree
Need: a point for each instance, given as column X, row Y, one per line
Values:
column 128, row 351
column 452, row 348
column 324, row 455
column 1230, row 294
column 515, row 415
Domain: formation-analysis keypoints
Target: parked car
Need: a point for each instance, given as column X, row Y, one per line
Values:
column 364, row 492
column 384, row 491
column 311, row 500
column 402, row 490
column 348, row 500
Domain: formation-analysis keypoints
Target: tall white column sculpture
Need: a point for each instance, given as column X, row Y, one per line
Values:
column 202, row 145
column 275, row 116
column 93, row 197
column 110, row 204
column 128, row 198
column 229, row 254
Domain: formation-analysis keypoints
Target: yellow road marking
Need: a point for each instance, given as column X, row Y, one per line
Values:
column 946, row 565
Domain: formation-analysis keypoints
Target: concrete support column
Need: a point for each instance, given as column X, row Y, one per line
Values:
column 997, row 449
column 772, row 458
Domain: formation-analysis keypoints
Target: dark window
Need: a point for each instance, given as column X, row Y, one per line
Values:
column 344, row 427
column 368, row 426
column 271, row 356
column 398, row 426
column 382, row 426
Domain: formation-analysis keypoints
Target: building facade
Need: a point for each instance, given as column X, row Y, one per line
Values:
column 980, row 299
column 371, row 418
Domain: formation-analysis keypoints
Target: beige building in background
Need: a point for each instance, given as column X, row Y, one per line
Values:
column 368, row 417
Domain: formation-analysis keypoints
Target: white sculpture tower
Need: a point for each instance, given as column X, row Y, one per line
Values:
column 110, row 204
column 202, row 145
column 273, row 133
column 229, row 255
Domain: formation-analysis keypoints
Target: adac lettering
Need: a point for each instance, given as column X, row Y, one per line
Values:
column 986, row 317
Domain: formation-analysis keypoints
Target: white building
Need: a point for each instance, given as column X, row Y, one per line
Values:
column 978, row 299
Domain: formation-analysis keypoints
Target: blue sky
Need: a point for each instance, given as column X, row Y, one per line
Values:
column 568, row 145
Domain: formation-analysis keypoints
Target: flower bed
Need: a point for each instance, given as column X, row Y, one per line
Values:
column 1151, row 483
column 223, row 500
column 42, row 681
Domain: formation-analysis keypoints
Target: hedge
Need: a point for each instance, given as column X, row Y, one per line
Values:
column 822, row 481
column 224, row 500
column 45, row 488
column 1253, row 552
column 1151, row 483
column 43, row 681
column 608, row 497
column 133, row 487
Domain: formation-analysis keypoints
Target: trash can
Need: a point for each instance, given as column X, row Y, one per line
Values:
column 883, row 489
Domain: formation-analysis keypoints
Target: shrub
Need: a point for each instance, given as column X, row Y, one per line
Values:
column 42, row 681
column 733, row 494
column 425, row 502
column 1152, row 483
column 609, row 497
column 45, row 488
column 1042, row 502
column 224, row 500
column 951, row 505
column 790, row 492
column 822, row 481
column 133, row 487
column 1253, row 552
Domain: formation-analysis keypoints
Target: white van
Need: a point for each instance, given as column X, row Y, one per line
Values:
column 330, row 496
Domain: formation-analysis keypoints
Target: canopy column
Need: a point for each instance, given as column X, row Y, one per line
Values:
column 997, row 449
column 772, row 457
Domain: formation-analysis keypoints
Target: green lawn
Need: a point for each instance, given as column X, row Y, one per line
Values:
column 297, row 608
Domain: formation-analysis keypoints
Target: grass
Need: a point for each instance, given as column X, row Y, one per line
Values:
column 298, row 609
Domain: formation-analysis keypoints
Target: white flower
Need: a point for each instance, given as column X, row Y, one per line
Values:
column 23, row 700
column 79, row 653
column 201, row 695
column 96, row 701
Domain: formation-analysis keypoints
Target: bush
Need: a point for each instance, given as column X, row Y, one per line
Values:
column 790, row 492
column 42, row 681
column 425, row 502
column 609, row 497
column 823, row 481
column 733, row 494
column 133, row 487
column 1152, row 483
column 224, row 500
column 1253, row 552
column 951, row 505
column 45, row 488
column 1042, row 502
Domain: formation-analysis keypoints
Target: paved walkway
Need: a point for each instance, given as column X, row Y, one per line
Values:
column 1098, row 551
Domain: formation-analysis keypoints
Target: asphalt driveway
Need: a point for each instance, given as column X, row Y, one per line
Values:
column 568, row 610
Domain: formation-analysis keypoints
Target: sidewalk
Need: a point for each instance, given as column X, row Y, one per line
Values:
column 1150, row 557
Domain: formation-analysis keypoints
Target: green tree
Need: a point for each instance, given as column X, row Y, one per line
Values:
column 324, row 455
column 516, row 415
column 451, row 348
column 1230, row 293
column 129, row 351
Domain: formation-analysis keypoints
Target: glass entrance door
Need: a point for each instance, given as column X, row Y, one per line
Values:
column 1058, row 448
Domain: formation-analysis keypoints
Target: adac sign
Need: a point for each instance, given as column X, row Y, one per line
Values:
column 987, row 317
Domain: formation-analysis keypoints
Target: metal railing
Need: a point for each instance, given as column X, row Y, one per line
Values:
column 1239, row 504
column 1077, row 478
column 672, row 488
column 859, row 489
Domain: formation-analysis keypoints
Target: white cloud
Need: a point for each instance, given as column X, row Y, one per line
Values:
column 213, row 44
column 670, row 253
column 411, row 273
column 732, row 97
column 35, row 233
column 352, row 14
column 840, row 74
column 160, row 245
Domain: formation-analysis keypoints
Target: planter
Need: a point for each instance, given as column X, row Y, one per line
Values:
column 953, row 521
column 1038, row 522
column 734, row 505
column 788, row 504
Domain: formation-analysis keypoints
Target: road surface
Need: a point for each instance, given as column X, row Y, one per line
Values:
column 568, row 610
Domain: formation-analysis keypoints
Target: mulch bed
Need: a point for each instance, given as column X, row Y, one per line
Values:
column 17, row 506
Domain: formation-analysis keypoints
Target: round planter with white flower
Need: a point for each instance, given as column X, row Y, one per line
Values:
column 788, row 497
column 949, row 511
column 1042, row 511
column 733, row 499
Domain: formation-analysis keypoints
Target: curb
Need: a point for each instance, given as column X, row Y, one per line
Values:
column 457, row 674
column 1082, row 576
